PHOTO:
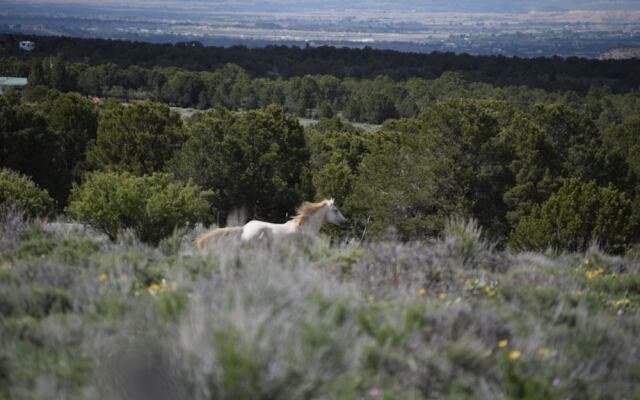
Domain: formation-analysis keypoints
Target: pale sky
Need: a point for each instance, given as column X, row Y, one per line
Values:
column 439, row 5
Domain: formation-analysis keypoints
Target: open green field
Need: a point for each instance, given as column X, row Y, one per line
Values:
column 86, row 318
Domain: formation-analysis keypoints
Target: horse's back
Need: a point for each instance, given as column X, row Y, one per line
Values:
column 253, row 228
column 256, row 228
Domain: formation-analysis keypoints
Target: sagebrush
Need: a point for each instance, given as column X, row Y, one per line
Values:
column 84, row 317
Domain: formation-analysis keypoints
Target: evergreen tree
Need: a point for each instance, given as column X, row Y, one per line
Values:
column 257, row 160
column 138, row 138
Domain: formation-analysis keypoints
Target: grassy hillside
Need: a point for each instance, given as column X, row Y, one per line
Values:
column 86, row 318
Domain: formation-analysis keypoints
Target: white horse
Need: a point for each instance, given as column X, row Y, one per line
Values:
column 308, row 221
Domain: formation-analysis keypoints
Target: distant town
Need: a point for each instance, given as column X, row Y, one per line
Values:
column 532, row 34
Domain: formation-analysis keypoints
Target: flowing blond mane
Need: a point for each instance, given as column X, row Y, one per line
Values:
column 307, row 209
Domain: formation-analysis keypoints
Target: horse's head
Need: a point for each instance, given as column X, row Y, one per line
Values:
column 334, row 215
column 311, row 215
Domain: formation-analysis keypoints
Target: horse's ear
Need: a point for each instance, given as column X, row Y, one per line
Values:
column 330, row 202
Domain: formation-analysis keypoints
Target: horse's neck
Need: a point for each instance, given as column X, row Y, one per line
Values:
column 313, row 223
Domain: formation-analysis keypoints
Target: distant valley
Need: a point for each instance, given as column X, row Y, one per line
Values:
column 520, row 30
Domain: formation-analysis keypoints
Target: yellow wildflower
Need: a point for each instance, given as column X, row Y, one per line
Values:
column 593, row 273
column 422, row 291
column 544, row 351
column 155, row 288
column 503, row 343
column 103, row 277
column 488, row 291
column 487, row 353
column 514, row 355
column 442, row 295
column 620, row 303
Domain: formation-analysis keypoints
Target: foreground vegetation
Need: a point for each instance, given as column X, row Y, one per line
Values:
column 84, row 317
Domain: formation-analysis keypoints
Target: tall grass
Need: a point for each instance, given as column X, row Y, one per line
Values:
column 86, row 318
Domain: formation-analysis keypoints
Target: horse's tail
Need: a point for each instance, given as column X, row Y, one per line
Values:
column 220, row 232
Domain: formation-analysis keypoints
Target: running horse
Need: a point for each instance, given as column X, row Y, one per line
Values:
column 308, row 221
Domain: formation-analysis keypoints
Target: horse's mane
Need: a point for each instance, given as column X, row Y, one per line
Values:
column 307, row 209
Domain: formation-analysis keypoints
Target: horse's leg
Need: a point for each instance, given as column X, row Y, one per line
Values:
column 269, row 237
column 265, row 236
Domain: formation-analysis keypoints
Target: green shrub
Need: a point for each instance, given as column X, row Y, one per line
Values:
column 38, row 243
column 465, row 239
column 74, row 251
column 172, row 305
column 37, row 246
column 153, row 206
column 42, row 301
column 520, row 386
column 33, row 300
column 622, row 284
column 110, row 306
column 17, row 190
column 576, row 215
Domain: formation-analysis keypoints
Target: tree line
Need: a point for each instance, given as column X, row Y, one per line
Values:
column 283, row 62
column 313, row 96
